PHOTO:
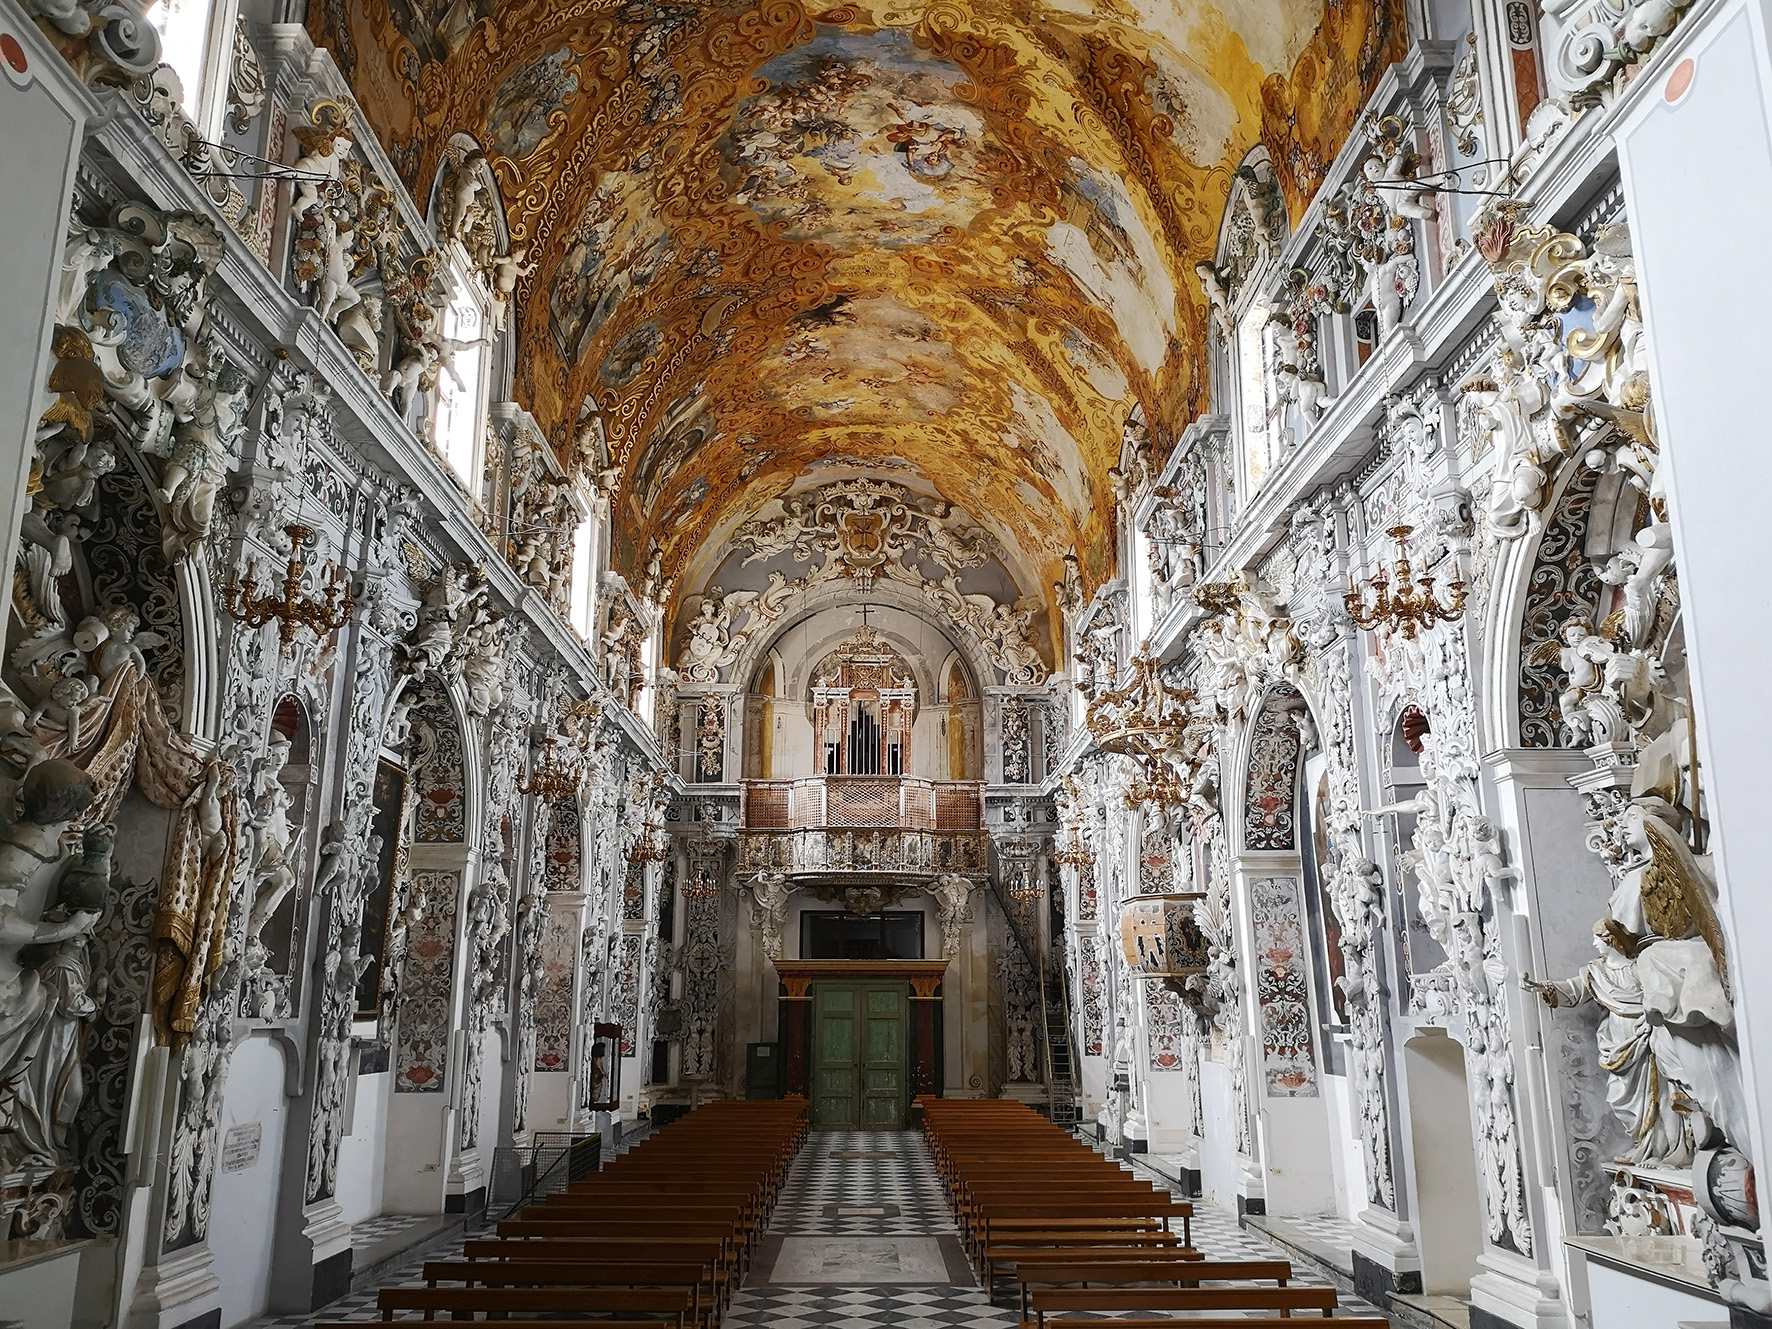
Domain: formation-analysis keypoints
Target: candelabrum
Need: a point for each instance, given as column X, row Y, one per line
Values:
column 322, row 614
column 549, row 781
column 702, row 884
column 1074, row 853
column 651, row 845
column 1025, row 883
column 1153, row 722
column 1413, row 605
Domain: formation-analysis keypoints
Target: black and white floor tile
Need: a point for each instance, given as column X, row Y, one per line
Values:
column 863, row 1184
column 872, row 1196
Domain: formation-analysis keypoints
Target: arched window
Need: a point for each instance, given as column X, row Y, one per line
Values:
column 458, row 422
column 1257, row 393
column 581, row 589
column 191, row 33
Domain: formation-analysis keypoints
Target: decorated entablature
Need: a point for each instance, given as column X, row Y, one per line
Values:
column 862, row 540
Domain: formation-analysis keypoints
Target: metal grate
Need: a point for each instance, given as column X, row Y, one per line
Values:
column 842, row 802
column 766, row 806
column 862, row 803
column 957, row 809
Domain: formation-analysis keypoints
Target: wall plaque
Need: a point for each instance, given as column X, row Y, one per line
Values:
column 240, row 1146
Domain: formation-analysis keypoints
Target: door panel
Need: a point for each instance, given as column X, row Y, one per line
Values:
column 835, row 1072
column 883, row 1057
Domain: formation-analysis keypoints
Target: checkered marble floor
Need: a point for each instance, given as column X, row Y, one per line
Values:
column 841, row 1174
column 837, row 1176
column 834, row 1181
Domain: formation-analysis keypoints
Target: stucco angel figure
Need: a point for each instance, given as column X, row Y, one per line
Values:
column 711, row 645
column 44, row 998
column 1637, row 570
column 617, row 664
column 1667, row 1042
column 769, row 910
column 1293, row 363
column 420, row 357
column 338, row 266
column 506, row 271
column 1393, row 276
column 953, row 904
column 205, row 448
column 274, row 838
column 1582, row 656
column 483, row 668
column 360, row 329
column 1390, row 172
column 325, row 149
column 462, row 190
column 1218, row 296
column 442, row 621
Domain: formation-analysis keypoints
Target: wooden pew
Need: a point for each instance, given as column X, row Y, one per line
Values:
column 658, row 1241
column 1044, row 1302
column 1281, row 1321
column 673, row 1304
column 1063, row 1268
column 707, row 1285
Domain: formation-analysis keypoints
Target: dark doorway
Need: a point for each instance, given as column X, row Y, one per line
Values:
column 829, row 935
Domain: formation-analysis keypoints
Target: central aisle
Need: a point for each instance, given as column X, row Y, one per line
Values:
column 861, row 1237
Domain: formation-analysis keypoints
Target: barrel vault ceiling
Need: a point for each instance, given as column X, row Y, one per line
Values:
column 945, row 242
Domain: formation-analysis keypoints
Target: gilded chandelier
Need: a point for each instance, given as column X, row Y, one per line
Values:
column 1404, row 610
column 651, row 845
column 560, row 772
column 322, row 614
column 1074, row 854
column 1146, row 719
column 549, row 781
column 702, row 884
column 1025, row 883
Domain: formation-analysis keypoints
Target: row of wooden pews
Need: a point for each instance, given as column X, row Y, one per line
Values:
column 659, row 1239
column 1083, row 1236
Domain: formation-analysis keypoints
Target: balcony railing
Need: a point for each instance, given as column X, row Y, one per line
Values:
column 842, row 802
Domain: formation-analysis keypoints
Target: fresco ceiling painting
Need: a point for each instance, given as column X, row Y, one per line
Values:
column 948, row 241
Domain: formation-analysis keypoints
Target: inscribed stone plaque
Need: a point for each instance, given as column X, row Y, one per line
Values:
column 240, row 1146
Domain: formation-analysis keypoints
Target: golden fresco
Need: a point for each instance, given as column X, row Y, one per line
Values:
column 955, row 239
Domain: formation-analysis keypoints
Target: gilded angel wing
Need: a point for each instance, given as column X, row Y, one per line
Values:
column 1676, row 897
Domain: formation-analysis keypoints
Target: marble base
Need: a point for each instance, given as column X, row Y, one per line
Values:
column 859, row 1261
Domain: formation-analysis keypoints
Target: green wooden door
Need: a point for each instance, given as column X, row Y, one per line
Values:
column 883, row 1058
column 859, row 1056
column 835, row 1066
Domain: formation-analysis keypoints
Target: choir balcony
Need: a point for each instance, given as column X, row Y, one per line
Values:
column 844, row 824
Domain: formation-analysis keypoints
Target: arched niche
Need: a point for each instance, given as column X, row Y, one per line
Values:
column 1550, row 580
column 282, row 934
column 1285, row 807
column 109, row 645
column 782, row 683
column 437, row 767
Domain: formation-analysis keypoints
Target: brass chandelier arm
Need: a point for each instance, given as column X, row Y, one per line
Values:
column 291, row 607
column 1414, row 604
